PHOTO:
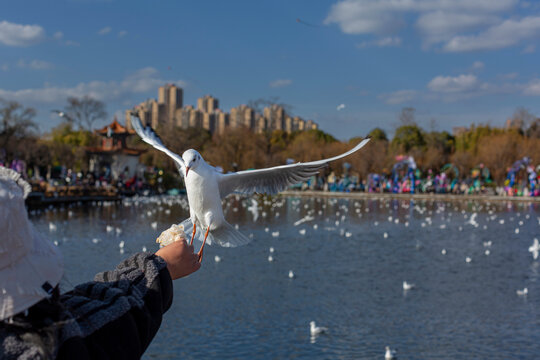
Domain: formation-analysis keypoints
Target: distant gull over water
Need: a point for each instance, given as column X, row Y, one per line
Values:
column 206, row 187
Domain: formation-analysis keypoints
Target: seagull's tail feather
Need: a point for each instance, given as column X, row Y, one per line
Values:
column 226, row 235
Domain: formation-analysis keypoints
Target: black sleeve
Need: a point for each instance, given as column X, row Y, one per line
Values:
column 118, row 314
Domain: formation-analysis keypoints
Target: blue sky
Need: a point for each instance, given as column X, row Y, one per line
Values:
column 456, row 62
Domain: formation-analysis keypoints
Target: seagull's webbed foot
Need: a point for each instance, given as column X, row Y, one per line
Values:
column 193, row 235
column 204, row 242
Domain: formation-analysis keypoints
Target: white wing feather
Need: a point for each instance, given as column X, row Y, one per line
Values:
column 275, row 179
column 150, row 137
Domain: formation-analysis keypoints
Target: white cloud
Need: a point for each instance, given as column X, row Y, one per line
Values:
column 529, row 49
column 384, row 16
column 4, row 67
column 509, row 76
column 12, row 34
column 122, row 33
column 71, row 43
column 105, row 30
column 450, row 84
column 141, row 81
column 463, row 87
column 440, row 26
column 340, row 107
column 508, row 33
column 389, row 41
column 34, row 64
column 532, row 88
column 364, row 17
column 280, row 83
column 458, row 25
column 477, row 65
column 399, row 97
column 58, row 35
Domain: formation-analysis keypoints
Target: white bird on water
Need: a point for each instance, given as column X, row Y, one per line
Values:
column 205, row 186
column 316, row 330
column 407, row 286
column 534, row 249
column 523, row 292
column 390, row 354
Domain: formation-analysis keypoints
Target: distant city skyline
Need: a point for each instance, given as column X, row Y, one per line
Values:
column 350, row 65
column 169, row 111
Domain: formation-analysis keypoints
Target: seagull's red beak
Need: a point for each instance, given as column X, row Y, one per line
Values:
column 187, row 170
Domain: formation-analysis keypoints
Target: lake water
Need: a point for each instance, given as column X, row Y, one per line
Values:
column 348, row 277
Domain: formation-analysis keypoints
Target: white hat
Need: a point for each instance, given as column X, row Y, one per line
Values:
column 30, row 265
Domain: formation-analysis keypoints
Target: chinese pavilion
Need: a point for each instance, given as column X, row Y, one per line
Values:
column 113, row 158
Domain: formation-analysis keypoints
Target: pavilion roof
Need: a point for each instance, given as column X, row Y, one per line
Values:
column 116, row 129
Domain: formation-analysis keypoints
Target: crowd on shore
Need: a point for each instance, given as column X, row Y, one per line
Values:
column 415, row 183
column 408, row 180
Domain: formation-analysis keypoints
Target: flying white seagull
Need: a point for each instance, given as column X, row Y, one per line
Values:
column 205, row 186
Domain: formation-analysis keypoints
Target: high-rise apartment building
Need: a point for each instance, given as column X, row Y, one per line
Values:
column 242, row 115
column 222, row 121
column 207, row 104
column 274, row 116
column 172, row 97
column 161, row 112
column 168, row 111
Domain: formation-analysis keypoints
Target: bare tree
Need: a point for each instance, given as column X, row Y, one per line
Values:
column 15, row 123
column 258, row 104
column 85, row 111
column 406, row 116
column 521, row 119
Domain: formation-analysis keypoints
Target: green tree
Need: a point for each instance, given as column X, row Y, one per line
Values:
column 408, row 137
column 468, row 140
column 378, row 134
column 68, row 146
column 64, row 134
column 442, row 141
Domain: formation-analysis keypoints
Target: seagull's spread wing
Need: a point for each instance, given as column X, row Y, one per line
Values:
column 150, row 137
column 275, row 179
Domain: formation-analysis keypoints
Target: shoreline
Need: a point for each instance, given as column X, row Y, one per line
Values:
column 445, row 197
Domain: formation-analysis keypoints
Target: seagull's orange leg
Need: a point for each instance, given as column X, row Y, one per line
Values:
column 204, row 242
column 193, row 235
